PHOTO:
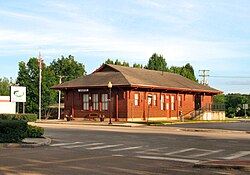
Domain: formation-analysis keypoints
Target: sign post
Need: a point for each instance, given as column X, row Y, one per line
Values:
column 245, row 107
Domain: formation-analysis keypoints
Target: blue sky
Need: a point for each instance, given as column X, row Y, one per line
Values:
column 213, row 35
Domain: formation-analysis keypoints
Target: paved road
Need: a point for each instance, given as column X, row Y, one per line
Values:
column 119, row 150
column 240, row 126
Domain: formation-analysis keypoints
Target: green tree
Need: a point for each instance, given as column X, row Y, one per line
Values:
column 157, row 62
column 48, row 80
column 68, row 68
column 125, row 64
column 28, row 76
column 135, row 65
column 219, row 99
column 116, row 62
column 233, row 103
column 186, row 71
column 5, row 84
column 175, row 69
column 109, row 61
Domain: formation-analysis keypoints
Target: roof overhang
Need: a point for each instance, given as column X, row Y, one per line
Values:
column 184, row 90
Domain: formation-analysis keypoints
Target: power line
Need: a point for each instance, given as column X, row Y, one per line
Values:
column 222, row 76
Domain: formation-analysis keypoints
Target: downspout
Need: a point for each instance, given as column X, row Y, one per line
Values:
column 177, row 104
column 117, row 107
column 73, row 108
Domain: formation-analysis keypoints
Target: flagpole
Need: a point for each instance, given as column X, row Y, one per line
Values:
column 40, row 84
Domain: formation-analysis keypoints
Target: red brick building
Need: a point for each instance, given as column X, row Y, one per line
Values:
column 136, row 94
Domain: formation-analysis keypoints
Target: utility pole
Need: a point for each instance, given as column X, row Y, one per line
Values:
column 59, row 97
column 204, row 75
column 40, row 84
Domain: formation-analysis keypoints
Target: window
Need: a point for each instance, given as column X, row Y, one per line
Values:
column 162, row 102
column 180, row 100
column 104, row 102
column 86, row 102
column 167, row 102
column 154, row 100
column 136, row 99
column 95, row 102
column 172, row 103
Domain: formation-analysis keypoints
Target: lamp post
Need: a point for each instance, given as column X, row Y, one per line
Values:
column 110, row 112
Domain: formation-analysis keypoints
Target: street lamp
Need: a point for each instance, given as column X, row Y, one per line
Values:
column 110, row 112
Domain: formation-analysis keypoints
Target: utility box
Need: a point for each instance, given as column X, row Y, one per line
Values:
column 7, row 107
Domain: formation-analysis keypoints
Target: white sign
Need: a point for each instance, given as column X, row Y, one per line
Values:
column 149, row 99
column 17, row 94
column 83, row 90
column 245, row 106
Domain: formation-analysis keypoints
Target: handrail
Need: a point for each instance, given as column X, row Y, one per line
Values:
column 209, row 107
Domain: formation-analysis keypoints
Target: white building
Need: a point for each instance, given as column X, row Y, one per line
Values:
column 7, row 107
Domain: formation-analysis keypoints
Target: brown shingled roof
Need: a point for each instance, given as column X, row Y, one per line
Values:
column 136, row 77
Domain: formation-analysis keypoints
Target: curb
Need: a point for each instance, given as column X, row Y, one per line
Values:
column 28, row 143
column 144, row 125
column 243, row 165
column 213, row 130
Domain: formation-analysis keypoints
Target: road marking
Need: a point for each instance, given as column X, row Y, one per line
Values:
column 180, row 151
column 77, row 146
column 207, row 152
column 128, row 148
column 168, row 158
column 105, row 146
column 117, row 155
column 64, row 144
column 237, row 155
column 152, row 151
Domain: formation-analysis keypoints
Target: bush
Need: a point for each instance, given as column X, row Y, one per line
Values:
column 12, row 131
column 28, row 117
column 34, row 132
column 25, row 117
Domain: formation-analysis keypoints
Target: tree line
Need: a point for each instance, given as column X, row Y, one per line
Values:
column 234, row 104
column 158, row 62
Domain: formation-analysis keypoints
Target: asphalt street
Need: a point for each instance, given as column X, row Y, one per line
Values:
column 121, row 150
column 243, row 125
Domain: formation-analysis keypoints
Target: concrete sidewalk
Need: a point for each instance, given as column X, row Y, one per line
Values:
column 131, row 124
column 89, row 122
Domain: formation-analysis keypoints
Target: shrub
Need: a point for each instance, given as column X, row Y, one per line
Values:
column 25, row 117
column 12, row 131
column 28, row 117
column 34, row 131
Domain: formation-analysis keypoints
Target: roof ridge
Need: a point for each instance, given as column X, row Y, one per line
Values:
column 120, row 72
column 143, row 69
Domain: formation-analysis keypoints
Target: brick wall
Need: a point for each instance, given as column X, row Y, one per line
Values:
column 133, row 104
